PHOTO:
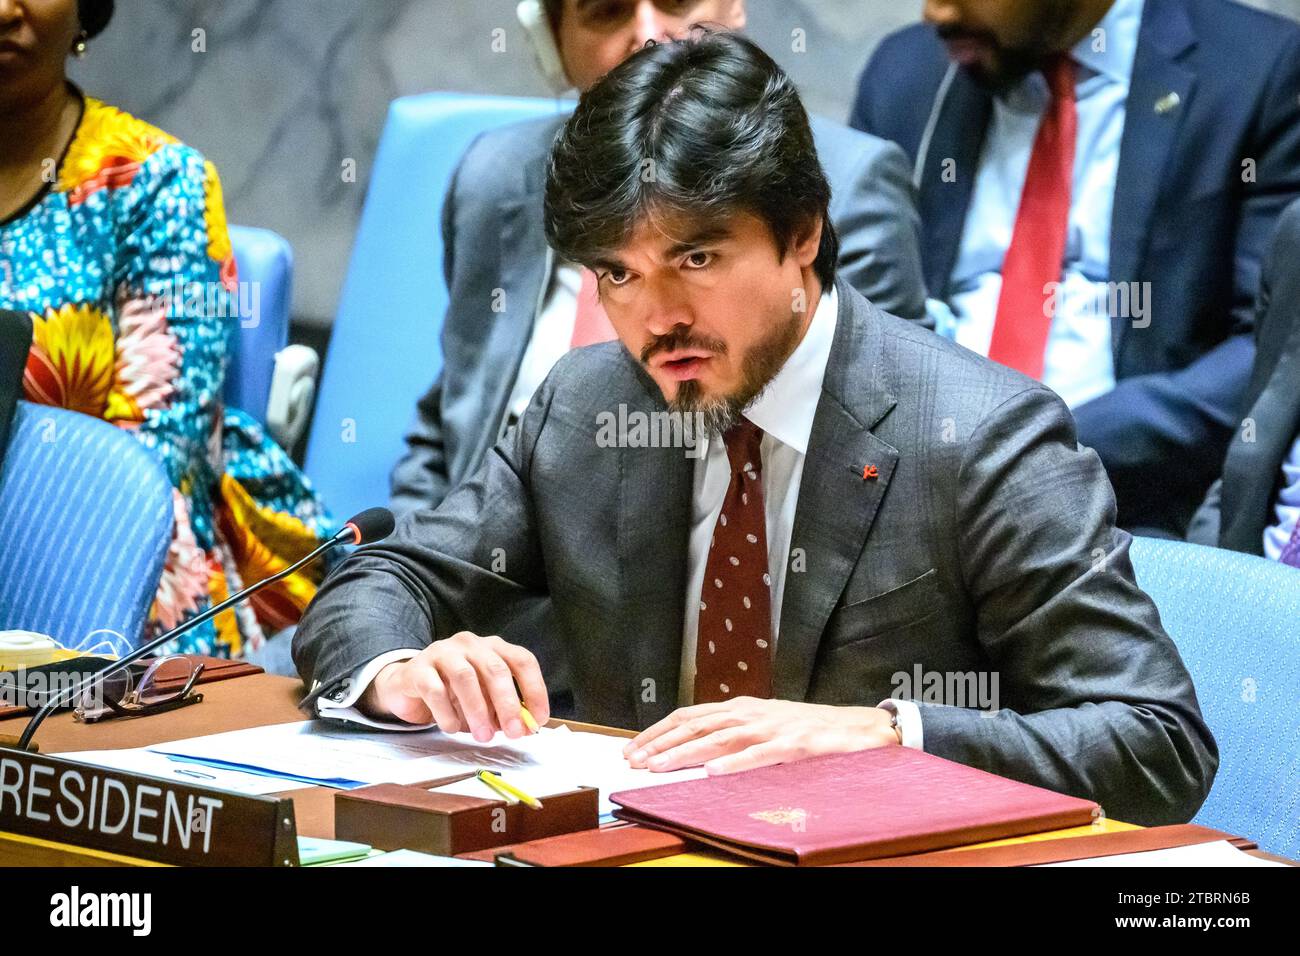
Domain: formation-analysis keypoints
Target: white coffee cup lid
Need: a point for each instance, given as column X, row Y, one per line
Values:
column 25, row 641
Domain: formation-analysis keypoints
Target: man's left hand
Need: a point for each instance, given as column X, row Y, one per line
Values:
column 749, row 732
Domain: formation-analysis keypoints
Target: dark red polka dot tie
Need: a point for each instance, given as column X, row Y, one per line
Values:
column 733, row 655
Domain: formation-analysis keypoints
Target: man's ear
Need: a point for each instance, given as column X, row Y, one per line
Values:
column 808, row 242
column 532, row 17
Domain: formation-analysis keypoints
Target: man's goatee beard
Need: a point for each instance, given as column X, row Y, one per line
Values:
column 717, row 415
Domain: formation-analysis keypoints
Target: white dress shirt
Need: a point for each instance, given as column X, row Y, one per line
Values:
column 550, row 338
column 1079, row 362
column 785, row 412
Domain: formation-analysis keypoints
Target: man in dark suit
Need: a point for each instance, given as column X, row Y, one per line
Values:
column 15, row 340
column 515, row 307
column 769, row 504
column 1098, row 180
column 1255, row 505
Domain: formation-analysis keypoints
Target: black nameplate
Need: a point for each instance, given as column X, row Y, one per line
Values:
column 57, row 799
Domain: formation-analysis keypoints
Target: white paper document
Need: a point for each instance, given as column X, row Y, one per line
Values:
column 1218, row 853
column 143, row 761
column 324, row 753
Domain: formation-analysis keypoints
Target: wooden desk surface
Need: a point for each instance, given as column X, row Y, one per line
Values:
column 259, row 700
column 252, row 701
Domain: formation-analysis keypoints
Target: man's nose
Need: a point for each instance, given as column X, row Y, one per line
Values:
column 651, row 23
column 941, row 13
column 667, row 314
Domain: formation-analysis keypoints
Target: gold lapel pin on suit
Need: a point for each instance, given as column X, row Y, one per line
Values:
column 1168, row 103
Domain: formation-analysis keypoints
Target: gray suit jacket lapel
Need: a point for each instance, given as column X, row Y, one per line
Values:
column 654, row 521
column 837, row 504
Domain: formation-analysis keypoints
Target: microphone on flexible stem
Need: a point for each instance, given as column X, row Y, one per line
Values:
column 373, row 524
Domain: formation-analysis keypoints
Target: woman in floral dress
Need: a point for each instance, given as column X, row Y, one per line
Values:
column 119, row 251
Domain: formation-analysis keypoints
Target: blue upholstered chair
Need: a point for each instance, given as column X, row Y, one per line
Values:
column 268, row 378
column 85, row 521
column 1236, row 621
column 385, row 348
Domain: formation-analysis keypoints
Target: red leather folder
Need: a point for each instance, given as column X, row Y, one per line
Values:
column 856, row 806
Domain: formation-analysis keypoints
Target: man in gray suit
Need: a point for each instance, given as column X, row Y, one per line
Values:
column 772, row 520
column 513, row 304
column 1255, row 506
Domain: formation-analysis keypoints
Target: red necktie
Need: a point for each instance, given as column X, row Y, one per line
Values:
column 733, row 654
column 592, row 324
column 1037, row 248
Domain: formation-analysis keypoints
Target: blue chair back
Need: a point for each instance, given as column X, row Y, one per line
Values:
column 265, row 261
column 1236, row 620
column 385, row 347
column 85, row 521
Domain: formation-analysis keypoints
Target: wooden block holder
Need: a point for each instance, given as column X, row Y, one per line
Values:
column 391, row 816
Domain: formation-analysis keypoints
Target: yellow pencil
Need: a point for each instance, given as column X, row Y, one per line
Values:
column 489, row 780
column 530, row 722
column 494, row 781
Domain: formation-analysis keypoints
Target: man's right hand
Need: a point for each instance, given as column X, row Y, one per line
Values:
column 463, row 683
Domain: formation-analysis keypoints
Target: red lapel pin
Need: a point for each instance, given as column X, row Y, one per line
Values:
column 870, row 472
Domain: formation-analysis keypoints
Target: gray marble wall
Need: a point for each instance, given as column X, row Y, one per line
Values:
column 278, row 93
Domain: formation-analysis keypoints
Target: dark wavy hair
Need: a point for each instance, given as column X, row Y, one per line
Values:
column 94, row 15
column 722, row 128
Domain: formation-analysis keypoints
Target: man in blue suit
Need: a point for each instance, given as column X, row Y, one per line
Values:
column 1121, row 164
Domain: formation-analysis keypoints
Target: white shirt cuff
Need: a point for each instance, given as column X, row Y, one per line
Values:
column 909, row 721
column 342, row 706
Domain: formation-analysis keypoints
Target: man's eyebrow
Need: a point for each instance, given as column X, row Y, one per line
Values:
column 582, row 5
column 606, row 263
column 702, row 237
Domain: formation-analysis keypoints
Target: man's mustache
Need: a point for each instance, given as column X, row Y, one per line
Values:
column 953, row 32
column 680, row 339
